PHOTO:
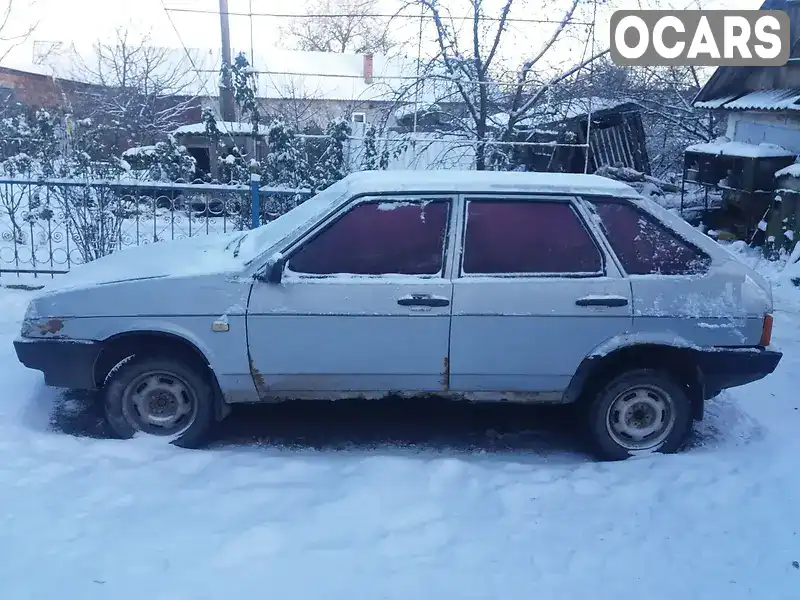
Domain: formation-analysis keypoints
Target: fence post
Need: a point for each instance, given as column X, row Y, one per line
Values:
column 255, row 201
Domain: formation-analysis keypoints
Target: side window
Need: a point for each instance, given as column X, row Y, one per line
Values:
column 527, row 237
column 377, row 238
column 645, row 246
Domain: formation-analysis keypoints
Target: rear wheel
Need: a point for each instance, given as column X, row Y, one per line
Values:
column 639, row 412
column 162, row 397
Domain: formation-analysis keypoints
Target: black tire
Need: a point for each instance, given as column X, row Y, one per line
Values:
column 180, row 381
column 659, row 396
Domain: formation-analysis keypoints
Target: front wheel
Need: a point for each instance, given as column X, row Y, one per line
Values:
column 160, row 396
column 639, row 412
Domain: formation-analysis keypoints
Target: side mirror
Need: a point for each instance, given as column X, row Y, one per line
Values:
column 275, row 270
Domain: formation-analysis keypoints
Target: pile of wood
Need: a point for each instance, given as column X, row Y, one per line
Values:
column 647, row 185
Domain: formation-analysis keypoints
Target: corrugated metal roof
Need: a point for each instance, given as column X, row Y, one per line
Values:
column 780, row 99
column 716, row 102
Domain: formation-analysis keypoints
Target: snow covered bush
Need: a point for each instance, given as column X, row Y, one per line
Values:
column 244, row 90
column 284, row 163
column 165, row 161
column 373, row 158
column 333, row 164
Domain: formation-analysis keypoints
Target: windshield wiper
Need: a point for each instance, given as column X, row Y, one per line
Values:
column 238, row 245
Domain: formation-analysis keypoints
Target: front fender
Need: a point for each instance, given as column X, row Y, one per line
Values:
column 156, row 325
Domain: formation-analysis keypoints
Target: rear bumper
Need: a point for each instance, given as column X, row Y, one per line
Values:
column 724, row 368
column 64, row 363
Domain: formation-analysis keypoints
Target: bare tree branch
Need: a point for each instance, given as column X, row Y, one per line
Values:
column 8, row 39
column 342, row 26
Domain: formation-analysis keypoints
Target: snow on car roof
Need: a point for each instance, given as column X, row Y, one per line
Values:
column 454, row 181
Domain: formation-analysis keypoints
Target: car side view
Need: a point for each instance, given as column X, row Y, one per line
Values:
column 482, row 286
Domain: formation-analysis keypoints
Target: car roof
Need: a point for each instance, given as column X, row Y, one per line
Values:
column 461, row 181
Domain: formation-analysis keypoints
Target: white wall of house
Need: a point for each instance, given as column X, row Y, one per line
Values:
column 781, row 128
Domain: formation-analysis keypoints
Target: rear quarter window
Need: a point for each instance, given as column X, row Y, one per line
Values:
column 644, row 245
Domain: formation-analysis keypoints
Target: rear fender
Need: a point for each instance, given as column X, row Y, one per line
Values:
column 635, row 351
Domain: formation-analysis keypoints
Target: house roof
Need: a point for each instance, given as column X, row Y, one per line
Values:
column 280, row 73
column 779, row 99
column 726, row 147
column 729, row 83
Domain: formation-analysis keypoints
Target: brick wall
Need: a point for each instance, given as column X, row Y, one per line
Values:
column 39, row 91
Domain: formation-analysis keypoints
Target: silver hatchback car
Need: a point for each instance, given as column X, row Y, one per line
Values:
column 483, row 286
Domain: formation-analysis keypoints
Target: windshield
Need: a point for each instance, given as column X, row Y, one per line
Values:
column 263, row 238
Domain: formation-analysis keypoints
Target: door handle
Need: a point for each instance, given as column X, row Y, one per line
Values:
column 423, row 300
column 610, row 301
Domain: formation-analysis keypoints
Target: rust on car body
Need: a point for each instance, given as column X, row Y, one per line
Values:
column 258, row 379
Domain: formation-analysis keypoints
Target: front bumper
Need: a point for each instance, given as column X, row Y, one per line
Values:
column 64, row 363
column 724, row 368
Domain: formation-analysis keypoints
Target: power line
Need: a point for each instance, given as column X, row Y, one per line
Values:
column 361, row 15
column 191, row 60
column 418, row 79
column 414, row 78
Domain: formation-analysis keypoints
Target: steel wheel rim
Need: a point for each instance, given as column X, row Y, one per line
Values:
column 641, row 417
column 160, row 403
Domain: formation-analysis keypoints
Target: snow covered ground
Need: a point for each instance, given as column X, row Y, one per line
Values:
column 408, row 501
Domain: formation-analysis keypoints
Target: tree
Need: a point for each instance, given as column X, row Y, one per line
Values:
column 333, row 165
column 244, row 90
column 340, row 26
column 373, row 158
column 143, row 91
column 284, row 164
column 470, row 62
column 11, row 37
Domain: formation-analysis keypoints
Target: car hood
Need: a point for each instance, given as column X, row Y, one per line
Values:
column 201, row 255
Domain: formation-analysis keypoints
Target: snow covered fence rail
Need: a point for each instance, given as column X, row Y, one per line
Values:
column 49, row 225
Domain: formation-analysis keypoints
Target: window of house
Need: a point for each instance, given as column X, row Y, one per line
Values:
column 527, row 237
column 359, row 117
column 376, row 238
column 644, row 245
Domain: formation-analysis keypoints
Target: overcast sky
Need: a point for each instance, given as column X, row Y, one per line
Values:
column 85, row 21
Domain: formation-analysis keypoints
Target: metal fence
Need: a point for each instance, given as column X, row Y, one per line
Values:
column 47, row 226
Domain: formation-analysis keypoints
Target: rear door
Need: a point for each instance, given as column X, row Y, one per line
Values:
column 676, row 295
column 534, row 293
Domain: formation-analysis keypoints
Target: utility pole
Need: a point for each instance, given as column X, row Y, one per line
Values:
column 226, row 106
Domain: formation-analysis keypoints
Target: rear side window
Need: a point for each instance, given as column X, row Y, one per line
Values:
column 391, row 237
column 527, row 237
column 644, row 245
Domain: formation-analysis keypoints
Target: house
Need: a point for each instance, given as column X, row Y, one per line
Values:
column 298, row 86
column 762, row 137
column 307, row 90
column 35, row 87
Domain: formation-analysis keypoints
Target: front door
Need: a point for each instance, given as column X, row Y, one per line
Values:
column 534, row 294
column 363, row 307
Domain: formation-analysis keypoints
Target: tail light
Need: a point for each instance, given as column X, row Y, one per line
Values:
column 766, row 331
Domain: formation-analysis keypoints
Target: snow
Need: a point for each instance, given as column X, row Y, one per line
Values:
column 790, row 171
column 724, row 147
column 138, row 150
column 516, row 511
column 225, row 127
column 191, row 256
column 774, row 99
column 714, row 102
column 477, row 181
